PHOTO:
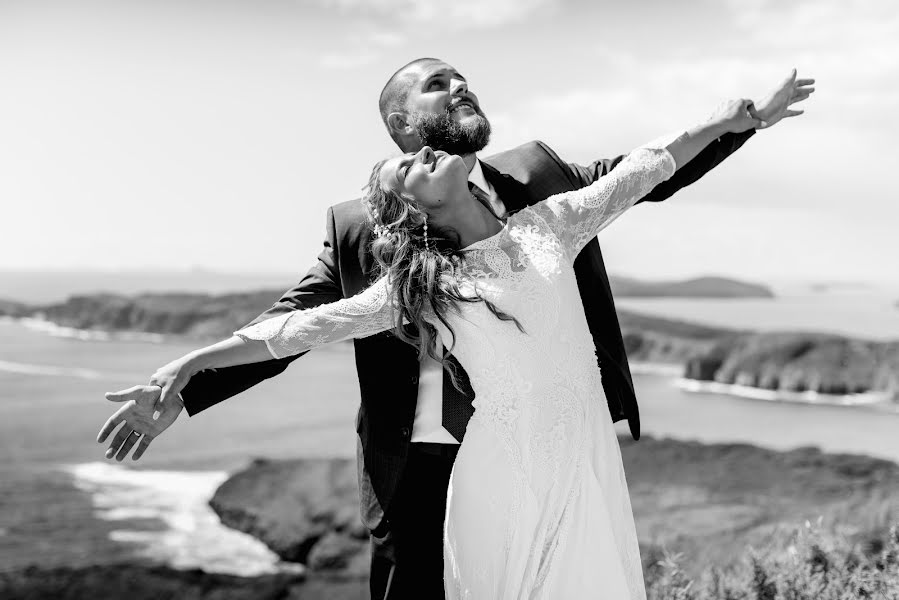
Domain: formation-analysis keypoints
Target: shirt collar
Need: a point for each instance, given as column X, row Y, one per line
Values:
column 476, row 176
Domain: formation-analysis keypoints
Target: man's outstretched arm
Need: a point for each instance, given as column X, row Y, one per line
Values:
column 771, row 109
column 143, row 417
column 320, row 285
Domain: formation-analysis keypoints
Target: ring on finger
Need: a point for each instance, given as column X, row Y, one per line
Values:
column 137, row 432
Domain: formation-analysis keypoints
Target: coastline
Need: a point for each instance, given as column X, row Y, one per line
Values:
column 866, row 399
column 879, row 400
column 94, row 335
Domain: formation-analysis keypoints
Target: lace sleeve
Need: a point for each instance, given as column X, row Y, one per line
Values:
column 362, row 315
column 577, row 216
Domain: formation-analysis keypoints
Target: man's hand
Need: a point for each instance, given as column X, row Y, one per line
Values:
column 137, row 416
column 776, row 105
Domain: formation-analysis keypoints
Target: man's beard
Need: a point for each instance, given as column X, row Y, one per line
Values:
column 441, row 132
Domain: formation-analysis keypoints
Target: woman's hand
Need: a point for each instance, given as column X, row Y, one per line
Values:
column 735, row 116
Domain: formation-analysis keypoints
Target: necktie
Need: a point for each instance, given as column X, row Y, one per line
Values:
column 457, row 408
column 483, row 197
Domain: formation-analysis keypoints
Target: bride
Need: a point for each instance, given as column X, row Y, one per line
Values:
column 538, row 505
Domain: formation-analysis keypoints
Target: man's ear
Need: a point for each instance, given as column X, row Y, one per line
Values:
column 398, row 124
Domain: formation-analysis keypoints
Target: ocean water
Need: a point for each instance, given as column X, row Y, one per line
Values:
column 62, row 503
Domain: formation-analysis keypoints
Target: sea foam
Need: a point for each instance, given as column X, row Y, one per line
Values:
column 48, row 370
column 191, row 536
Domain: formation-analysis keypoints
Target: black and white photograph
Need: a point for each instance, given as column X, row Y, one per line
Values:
column 469, row 300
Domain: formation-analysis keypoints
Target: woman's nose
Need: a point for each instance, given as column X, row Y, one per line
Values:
column 424, row 155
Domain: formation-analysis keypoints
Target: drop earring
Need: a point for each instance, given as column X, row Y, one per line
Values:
column 426, row 232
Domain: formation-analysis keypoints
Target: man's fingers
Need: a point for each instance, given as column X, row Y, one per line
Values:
column 111, row 423
column 142, row 446
column 793, row 113
column 805, row 81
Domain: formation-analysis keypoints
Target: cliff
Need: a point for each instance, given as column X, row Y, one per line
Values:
column 799, row 362
column 193, row 315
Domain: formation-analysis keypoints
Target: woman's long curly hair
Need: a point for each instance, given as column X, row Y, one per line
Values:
column 423, row 277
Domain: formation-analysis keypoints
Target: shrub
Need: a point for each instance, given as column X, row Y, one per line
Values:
column 817, row 565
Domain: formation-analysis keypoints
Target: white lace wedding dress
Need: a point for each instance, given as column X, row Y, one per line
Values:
column 538, row 505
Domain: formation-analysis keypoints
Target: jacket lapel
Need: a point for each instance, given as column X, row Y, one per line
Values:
column 512, row 192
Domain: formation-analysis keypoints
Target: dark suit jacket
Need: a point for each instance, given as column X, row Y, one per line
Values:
column 388, row 368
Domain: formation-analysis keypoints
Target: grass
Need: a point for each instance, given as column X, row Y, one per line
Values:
column 815, row 565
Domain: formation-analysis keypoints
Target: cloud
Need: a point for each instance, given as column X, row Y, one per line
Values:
column 362, row 46
column 456, row 14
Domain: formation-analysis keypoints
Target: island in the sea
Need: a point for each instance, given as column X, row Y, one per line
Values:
column 699, row 287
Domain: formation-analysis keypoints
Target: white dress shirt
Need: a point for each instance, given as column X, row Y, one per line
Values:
column 428, row 424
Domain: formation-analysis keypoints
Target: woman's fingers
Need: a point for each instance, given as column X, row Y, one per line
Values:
column 130, row 440
column 110, row 424
column 119, row 439
column 142, row 446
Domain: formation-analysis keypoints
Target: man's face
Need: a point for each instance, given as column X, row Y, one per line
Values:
column 444, row 112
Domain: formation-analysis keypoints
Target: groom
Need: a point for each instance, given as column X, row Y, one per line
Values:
column 411, row 418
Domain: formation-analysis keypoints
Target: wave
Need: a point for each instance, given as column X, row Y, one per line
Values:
column 808, row 397
column 49, row 370
column 190, row 536
column 93, row 335
column 656, row 368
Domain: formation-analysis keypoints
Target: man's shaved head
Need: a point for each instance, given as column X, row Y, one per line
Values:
column 396, row 90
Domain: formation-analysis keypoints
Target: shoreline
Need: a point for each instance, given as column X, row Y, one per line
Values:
column 165, row 516
column 88, row 335
column 866, row 399
column 883, row 400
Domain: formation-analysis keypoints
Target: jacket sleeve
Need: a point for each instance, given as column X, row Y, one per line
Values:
column 702, row 163
column 576, row 217
column 320, row 285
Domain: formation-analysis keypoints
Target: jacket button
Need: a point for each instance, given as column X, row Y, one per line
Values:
column 414, row 380
column 405, row 432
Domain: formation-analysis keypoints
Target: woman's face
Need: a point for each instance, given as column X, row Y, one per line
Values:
column 431, row 178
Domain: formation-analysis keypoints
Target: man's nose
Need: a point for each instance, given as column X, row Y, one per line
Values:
column 459, row 86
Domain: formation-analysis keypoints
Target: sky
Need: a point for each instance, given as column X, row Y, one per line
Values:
column 197, row 134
